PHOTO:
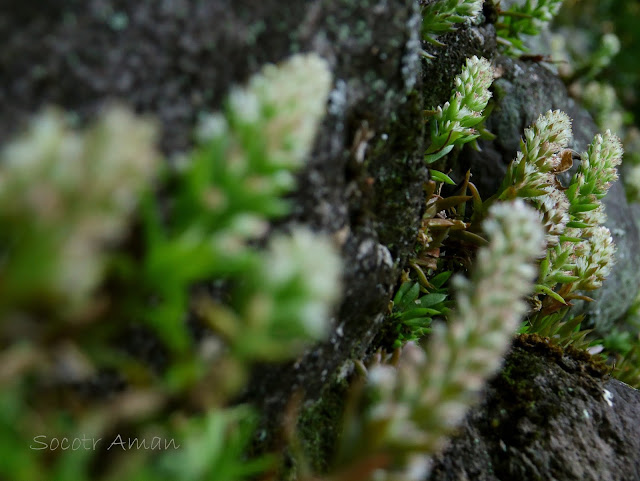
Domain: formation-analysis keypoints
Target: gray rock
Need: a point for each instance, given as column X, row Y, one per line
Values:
column 548, row 415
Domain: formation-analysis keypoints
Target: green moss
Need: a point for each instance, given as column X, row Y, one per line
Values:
column 398, row 182
column 544, row 347
column 520, row 394
column 320, row 424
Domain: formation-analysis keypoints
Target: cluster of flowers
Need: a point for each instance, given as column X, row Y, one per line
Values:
column 593, row 255
column 255, row 147
column 532, row 174
column 64, row 197
column 453, row 122
column 581, row 249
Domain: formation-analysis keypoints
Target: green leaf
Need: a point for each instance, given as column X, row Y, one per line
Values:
column 431, row 299
column 571, row 191
column 541, row 289
column 564, row 278
column 575, row 208
column 529, row 192
column 567, row 327
column 441, row 177
column 564, row 238
column 419, row 322
column 430, row 158
column 397, row 299
column 588, row 188
column 409, row 297
column 576, row 224
column 544, row 266
column 439, row 280
column 450, row 202
column 416, row 313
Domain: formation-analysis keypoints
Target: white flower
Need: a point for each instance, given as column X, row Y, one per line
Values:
column 554, row 207
column 77, row 191
column 245, row 105
column 549, row 134
column 436, row 394
column 212, row 126
column 594, row 258
column 295, row 93
column 601, row 160
column 309, row 262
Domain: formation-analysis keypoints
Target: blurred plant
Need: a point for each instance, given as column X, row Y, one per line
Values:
column 631, row 165
column 452, row 124
column 76, row 194
column 214, row 446
column 284, row 303
column 627, row 366
column 589, row 35
column 600, row 59
column 440, row 16
column 601, row 101
column 622, row 347
column 581, row 69
column 231, row 186
column 488, row 308
column 414, row 407
column 66, row 200
column 604, row 26
column 527, row 19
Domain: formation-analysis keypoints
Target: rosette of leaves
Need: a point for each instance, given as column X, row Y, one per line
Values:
column 413, row 313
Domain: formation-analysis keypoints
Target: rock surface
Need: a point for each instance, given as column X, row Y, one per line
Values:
column 547, row 415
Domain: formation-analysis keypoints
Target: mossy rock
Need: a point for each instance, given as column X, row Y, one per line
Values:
column 548, row 415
